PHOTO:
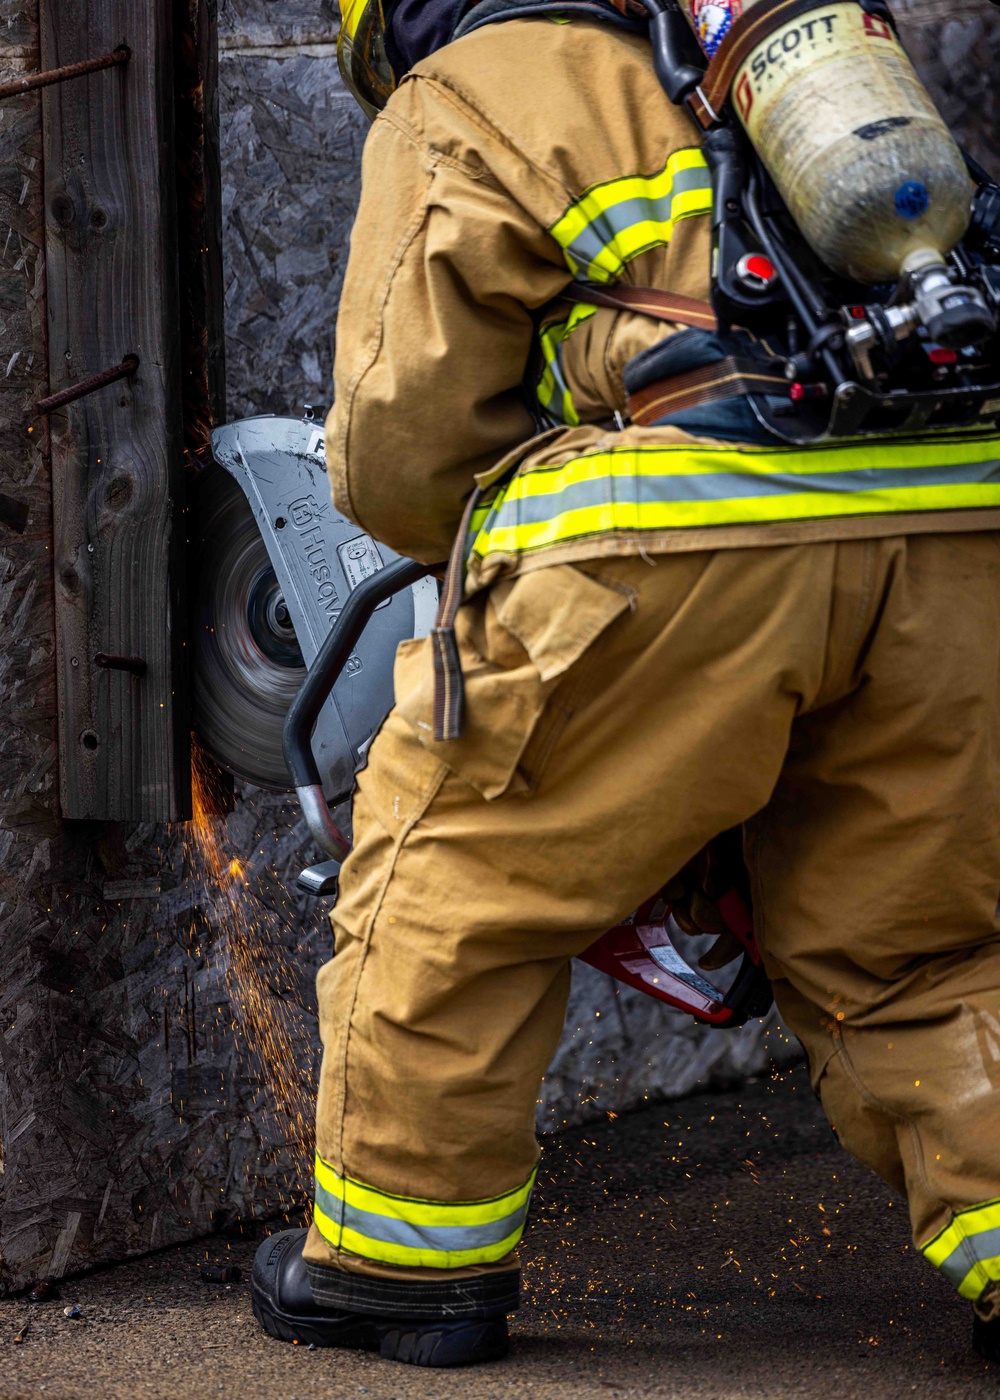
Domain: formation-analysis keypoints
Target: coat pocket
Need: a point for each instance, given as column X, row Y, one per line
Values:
column 517, row 642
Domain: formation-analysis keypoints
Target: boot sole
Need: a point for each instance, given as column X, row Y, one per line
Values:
column 415, row 1344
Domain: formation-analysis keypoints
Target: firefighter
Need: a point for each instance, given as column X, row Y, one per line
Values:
column 667, row 628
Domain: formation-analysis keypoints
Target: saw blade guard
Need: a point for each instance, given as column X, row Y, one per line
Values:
column 277, row 565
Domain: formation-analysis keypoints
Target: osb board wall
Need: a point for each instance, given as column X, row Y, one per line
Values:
column 292, row 139
column 144, row 969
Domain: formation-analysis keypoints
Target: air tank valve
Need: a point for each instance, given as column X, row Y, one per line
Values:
column 950, row 314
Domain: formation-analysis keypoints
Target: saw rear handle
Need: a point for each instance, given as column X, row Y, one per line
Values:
column 305, row 710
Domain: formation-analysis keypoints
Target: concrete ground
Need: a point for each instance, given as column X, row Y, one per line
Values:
column 714, row 1248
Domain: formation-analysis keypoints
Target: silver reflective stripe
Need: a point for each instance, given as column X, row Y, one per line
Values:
column 642, row 489
column 553, row 391
column 973, row 1250
column 612, row 222
column 443, row 1238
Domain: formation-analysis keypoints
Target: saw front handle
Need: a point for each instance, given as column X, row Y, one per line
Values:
column 322, row 676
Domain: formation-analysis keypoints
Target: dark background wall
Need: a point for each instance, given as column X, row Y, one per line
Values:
column 157, row 1030
column 292, row 139
column 956, row 46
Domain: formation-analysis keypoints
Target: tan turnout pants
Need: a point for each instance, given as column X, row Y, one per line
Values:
column 839, row 699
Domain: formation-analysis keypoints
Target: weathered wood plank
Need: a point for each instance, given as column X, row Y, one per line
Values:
column 111, row 250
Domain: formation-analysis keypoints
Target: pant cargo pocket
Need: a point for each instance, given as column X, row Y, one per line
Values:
column 517, row 642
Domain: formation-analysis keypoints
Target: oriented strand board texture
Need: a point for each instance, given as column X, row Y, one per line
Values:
column 157, row 1028
column 292, row 138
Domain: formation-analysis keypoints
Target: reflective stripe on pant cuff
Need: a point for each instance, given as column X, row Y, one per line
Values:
column 486, row 1295
column 423, row 1234
column 968, row 1250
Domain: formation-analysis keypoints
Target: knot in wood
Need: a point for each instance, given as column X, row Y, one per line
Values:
column 63, row 210
column 120, row 492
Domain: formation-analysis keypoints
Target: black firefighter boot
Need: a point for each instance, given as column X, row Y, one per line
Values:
column 409, row 1322
column 986, row 1324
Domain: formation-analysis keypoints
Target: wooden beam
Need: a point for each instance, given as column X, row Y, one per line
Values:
column 117, row 454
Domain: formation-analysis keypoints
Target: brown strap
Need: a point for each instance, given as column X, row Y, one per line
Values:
column 752, row 28
column 449, row 688
column 728, row 379
column 647, row 301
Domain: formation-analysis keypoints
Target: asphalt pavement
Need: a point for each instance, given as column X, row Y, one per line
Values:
column 713, row 1248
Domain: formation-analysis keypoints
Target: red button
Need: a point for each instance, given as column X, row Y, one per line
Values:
column 755, row 272
column 941, row 355
column 759, row 266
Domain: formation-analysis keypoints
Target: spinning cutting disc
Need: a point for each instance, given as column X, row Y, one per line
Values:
column 247, row 663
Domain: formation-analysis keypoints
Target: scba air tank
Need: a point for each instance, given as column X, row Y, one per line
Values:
column 851, row 138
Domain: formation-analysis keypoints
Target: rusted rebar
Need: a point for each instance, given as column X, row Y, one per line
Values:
column 135, row 664
column 87, row 386
column 121, row 54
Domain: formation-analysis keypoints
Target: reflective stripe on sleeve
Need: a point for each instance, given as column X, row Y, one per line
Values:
column 554, row 394
column 675, row 486
column 404, row 1230
column 613, row 223
column 968, row 1250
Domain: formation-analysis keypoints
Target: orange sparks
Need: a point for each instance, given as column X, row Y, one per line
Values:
column 265, row 1023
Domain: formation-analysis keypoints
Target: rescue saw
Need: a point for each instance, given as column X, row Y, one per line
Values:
column 300, row 615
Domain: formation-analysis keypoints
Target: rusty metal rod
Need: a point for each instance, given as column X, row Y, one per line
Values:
column 122, row 54
column 87, row 386
column 135, row 664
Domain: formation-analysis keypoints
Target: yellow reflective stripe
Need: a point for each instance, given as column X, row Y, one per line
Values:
column 985, row 1272
column 600, row 198
column 614, row 222
column 970, row 1222
column 552, row 385
column 420, row 1212
column 407, row 1230
column 682, row 459
column 966, row 1250
column 617, row 516
column 640, row 237
column 676, row 486
column 385, row 1253
column 330, row 1229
